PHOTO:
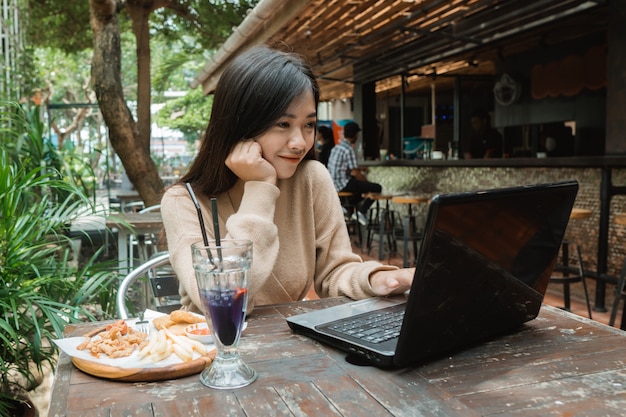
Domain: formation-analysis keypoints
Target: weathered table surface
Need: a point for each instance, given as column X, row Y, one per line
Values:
column 558, row 364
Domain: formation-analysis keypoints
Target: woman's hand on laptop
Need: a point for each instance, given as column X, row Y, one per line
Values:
column 392, row 282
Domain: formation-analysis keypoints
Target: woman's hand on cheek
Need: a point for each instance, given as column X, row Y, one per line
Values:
column 392, row 282
column 247, row 162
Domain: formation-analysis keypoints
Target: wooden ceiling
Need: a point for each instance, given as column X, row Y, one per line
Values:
column 348, row 41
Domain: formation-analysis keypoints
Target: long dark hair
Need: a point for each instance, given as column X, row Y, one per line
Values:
column 254, row 91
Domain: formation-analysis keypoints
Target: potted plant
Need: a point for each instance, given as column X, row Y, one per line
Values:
column 40, row 289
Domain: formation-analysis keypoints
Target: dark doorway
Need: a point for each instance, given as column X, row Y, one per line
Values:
column 413, row 121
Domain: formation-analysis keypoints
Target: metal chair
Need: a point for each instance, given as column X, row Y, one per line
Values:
column 567, row 274
column 620, row 288
column 411, row 231
column 133, row 207
column 620, row 294
column 156, row 207
column 349, row 210
column 163, row 286
column 381, row 222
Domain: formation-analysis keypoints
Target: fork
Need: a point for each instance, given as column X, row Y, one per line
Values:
column 142, row 325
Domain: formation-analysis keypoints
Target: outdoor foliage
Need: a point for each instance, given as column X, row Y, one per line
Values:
column 23, row 136
column 190, row 28
column 188, row 114
column 41, row 289
column 52, row 16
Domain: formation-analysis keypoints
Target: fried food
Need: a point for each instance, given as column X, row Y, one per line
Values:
column 162, row 322
column 117, row 341
column 176, row 321
column 120, row 340
column 182, row 316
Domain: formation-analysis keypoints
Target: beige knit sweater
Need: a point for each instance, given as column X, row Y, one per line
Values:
column 298, row 233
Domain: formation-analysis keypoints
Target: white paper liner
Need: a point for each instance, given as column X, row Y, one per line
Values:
column 68, row 345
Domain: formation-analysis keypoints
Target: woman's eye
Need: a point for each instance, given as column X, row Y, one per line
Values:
column 312, row 125
column 283, row 124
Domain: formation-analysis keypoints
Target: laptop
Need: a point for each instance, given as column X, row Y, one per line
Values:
column 483, row 268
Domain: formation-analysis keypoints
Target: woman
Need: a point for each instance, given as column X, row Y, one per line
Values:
column 256, row 159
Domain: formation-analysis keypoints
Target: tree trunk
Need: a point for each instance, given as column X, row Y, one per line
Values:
column 139, row 16
column 124, row 133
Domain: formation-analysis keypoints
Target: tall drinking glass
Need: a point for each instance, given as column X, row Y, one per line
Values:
column 222, row 275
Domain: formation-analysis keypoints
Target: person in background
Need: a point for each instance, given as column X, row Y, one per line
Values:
column 327, row 141
column 346, row 174
column 485, row 141
column 256, row 159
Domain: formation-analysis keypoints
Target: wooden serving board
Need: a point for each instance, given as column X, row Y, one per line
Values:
column 143, row 374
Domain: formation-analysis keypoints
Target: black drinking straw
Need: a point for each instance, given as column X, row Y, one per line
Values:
column 200, row 218
column 216, row 230
column 205, row 239
column 216, row 223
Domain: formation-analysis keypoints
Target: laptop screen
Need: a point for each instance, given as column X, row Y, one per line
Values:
column 486, row 266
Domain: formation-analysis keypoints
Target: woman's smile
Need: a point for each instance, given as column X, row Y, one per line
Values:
column 291, row 158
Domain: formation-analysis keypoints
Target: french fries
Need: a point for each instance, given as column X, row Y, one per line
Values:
column 186, row 342
column 164, row 343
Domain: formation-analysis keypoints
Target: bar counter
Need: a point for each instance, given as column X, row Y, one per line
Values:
column 602, row 190
column 616, row 161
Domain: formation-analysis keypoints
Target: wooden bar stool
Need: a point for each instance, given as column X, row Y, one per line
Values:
column 620, row 290
column 354, row 228
column 566, row 278
column 410, row 233
column 381, row 221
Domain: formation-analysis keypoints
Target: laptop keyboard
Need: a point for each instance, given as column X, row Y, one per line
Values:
column 375, row 327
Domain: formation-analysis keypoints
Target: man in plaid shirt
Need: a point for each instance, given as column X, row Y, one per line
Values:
column 346, row 174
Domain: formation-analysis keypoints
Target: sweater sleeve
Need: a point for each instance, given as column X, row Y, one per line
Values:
column 255, row 221
column 339, row 271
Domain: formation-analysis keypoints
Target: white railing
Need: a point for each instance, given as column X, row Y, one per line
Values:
column 11, row 48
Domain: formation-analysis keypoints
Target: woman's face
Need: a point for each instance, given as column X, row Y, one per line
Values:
column 292, row 136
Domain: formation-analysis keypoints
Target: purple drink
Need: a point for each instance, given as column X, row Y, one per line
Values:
column 222, row 273
column 227, row 310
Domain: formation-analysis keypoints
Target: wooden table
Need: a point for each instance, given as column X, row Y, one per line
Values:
column 558, row 364
column 126, row 197
column 129, row 224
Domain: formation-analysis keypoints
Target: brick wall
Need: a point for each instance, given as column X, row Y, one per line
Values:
column 433, row 180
